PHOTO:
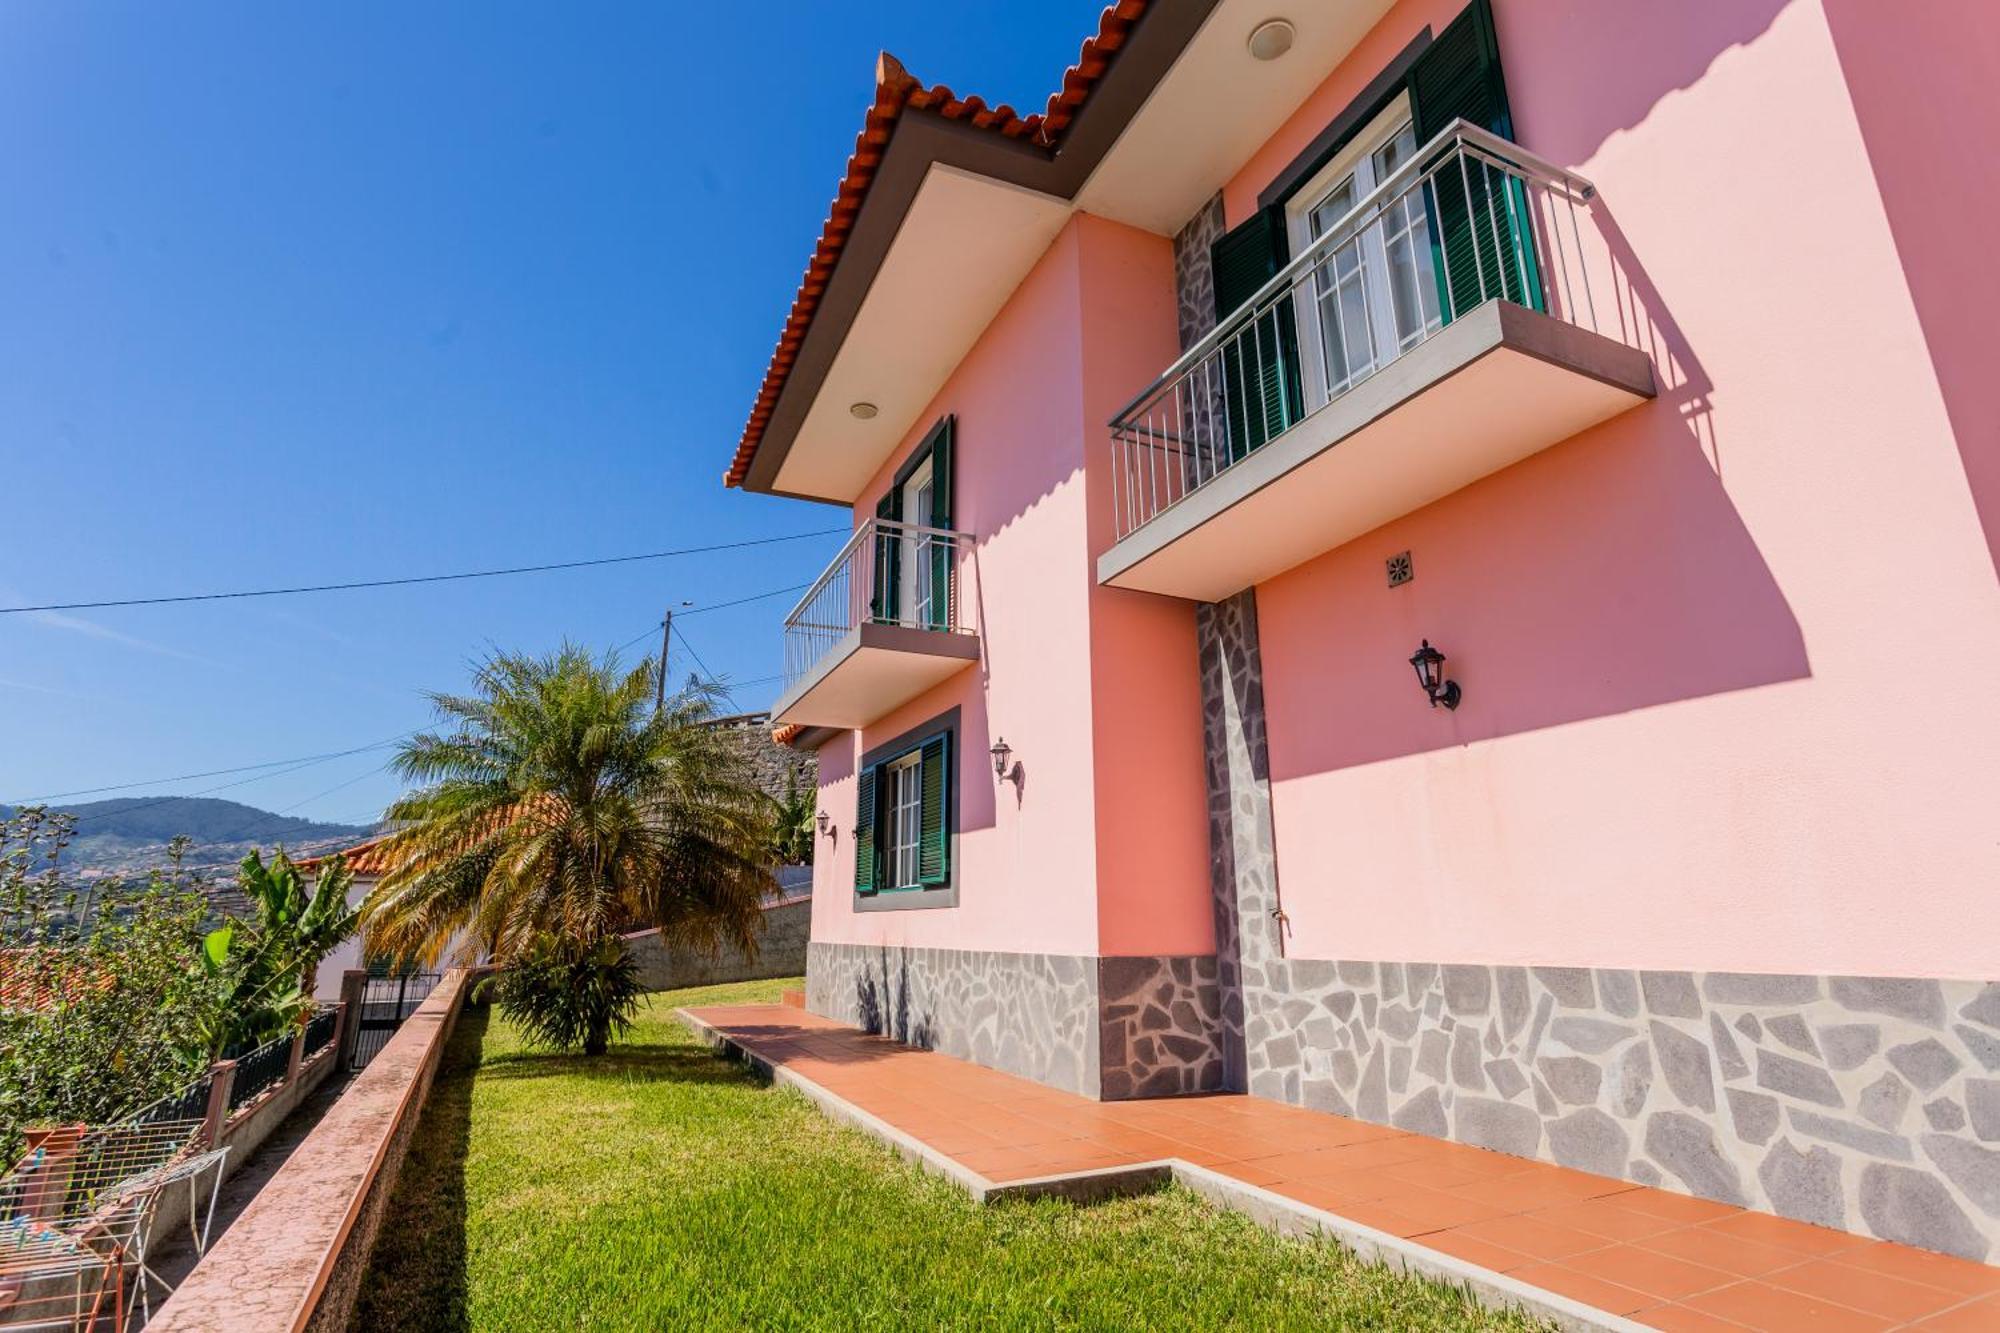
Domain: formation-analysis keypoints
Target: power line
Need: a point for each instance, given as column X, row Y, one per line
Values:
column 421, row 578
column 260, row 777
column 211, row 773
column 681, row 634
column 753, row 597
column 270, row 815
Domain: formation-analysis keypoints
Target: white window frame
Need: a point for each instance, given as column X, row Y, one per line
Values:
column 903, row 844
column 913, row 598
column 1357, row 159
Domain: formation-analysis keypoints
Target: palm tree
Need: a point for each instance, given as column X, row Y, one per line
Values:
column 560, row 805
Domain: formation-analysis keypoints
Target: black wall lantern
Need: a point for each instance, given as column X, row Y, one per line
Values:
column 1429, row 663
column 826, row 829
column 1001, row 753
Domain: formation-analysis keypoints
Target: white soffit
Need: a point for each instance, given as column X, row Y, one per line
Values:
column 1217, row 106
column 965, row 245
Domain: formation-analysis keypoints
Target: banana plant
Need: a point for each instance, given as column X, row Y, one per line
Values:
column 264, row 967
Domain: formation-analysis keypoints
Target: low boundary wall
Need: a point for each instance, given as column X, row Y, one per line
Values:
column 782, row 952
column 295, row 1257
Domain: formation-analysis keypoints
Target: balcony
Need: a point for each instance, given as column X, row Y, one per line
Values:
column 883, row 624
column 1442, row 329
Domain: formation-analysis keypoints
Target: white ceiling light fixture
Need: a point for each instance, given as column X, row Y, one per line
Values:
column 862, row 411
column 1271, row 38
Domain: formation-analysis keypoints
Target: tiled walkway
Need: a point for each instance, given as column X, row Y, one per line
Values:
column 1663, row 1259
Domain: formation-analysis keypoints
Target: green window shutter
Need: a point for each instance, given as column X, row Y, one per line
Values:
column 866, row 862
column 942, row 553
column 1259, row 366
column 1480, row 220
column 888, row 559
column 934, row 829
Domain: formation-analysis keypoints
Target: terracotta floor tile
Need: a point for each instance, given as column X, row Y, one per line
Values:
column 1686, row 1319
column 1760, row 1305
column 1672, row 1261
column 1486, row 1254
column 1682, row 1209
column 1870, row 1292
column 1361, row 1182
column 1592, row 1291
column 1319, row 1196
column 1982, row 1316
column 1537, row 1238
column 1913, row 1265
column 1782, row 1231
column 1731, row 1254
column 1374, row 1152
column 1438, row 1208
column 1253, row 1173
column 1521, row 1194
column 1603, row 1218
column 1660, row 1276
column 1382, row 1217
column 1437, row 1175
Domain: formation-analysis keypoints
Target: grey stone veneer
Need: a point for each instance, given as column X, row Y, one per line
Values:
column 1863, row 1103
column 1102, row 1027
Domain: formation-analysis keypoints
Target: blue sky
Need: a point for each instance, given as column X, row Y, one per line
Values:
column 295, row 294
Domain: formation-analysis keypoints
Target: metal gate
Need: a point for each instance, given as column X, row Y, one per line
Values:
column 385, row 1003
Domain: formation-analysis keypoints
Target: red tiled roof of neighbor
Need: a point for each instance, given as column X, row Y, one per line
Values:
column 368, row 859
column 26, row 988
column 896, row 90
column 786, row 734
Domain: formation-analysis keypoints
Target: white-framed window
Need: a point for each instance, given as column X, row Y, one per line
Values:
column 1374, row 296
column 904, row 831
column 914, row 597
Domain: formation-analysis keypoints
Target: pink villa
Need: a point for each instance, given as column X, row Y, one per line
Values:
column 1431, row 562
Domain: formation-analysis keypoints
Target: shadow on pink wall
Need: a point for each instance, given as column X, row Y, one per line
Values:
column 1578, row 74
column 1922, row 78
column 1610, row 573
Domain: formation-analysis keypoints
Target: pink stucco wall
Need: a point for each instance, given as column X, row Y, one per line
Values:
column 1035, row 866
column 1723, row 656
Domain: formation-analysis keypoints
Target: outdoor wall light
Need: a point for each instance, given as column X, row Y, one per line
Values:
column 1429, row 663
column 1271, row 38
column 826, row 829
column 1002, row 753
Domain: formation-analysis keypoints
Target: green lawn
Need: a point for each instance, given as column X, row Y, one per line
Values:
column 661, row 1187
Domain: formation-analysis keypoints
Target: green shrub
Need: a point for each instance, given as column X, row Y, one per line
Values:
column 564, row 996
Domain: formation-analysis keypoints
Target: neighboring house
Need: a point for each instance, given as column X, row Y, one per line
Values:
column 1632, row 356
column 366, row 861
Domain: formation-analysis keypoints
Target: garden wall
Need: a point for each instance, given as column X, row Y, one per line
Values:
column 295, row 1257
column 787, row 927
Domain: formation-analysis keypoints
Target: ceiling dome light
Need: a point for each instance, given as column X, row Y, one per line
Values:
column 862, row 411
column 1272, row 38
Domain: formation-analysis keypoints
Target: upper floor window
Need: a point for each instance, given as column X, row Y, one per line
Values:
column 1374, row 295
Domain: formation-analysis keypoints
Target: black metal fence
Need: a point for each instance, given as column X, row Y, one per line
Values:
column 258, row 1069
column 188, row 1103
column 320, row 1030
column 385, row 1003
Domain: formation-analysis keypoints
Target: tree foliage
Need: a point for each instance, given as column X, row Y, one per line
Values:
column 558, row 803
column 103, row 1006
column 792, row 821
column 263, row 967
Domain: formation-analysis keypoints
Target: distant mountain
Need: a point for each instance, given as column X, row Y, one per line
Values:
column 130, row 835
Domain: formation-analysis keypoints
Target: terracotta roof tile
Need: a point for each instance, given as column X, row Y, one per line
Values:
column 896, row 90
column 366, row 860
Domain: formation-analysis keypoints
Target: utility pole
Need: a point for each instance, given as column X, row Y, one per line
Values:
column 666, row 641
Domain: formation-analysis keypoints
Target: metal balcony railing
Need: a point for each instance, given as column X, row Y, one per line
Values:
column 1470, row 218
column 889, row 573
